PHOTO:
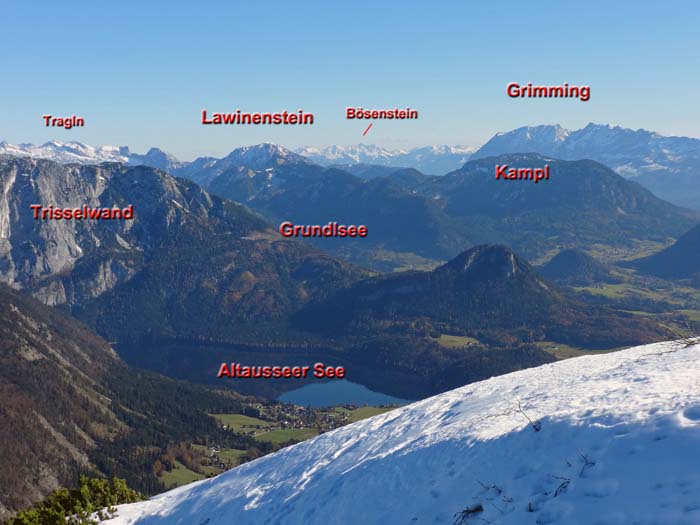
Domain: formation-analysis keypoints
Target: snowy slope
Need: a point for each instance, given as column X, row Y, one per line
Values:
column 619, row 444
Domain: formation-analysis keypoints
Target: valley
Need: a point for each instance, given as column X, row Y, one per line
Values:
column 585, row 204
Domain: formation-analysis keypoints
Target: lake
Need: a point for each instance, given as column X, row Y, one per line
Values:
column 333, row 393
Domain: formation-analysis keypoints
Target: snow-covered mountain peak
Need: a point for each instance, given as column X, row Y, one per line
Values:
column 357, row 154
column 544, row 132
column 262, row 156
column 436, row 159
column 67, row 152
column 77, row 152
column 667, row 166
column 611, row 439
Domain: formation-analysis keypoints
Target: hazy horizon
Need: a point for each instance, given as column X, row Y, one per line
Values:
column 140, row 74
column 225, row 151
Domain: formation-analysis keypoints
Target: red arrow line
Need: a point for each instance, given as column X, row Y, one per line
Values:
column 365, row 133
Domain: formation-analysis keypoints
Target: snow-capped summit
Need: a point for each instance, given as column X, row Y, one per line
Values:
column 550, row 134
column 67, row 152
column 358, row 154
column 263, row 156
column 436, row 160
column 605, row 439
column 668, row 166
column 79, row 153
column 260, row 157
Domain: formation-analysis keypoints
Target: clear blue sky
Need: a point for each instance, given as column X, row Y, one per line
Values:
column 140, row 72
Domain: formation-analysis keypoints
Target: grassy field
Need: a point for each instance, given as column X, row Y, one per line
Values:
column 678, row 304
column 455, row 341
column 239, row 422
column 281, row 435
column 236, row 422
column 358, row 414
column 693, row 315
column 562, row 351
column 180, row 475
column 270, row 433
column 638, row 249
column 618, row 291
column 404, row 261
column 226, row 455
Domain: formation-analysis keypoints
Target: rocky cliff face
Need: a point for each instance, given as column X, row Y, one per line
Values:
column 182, row 246
column 64, row 260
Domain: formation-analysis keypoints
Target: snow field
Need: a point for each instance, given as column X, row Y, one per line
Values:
column 619, row 443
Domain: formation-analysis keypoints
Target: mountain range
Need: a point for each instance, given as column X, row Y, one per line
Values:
column 432, row 160
column 76, row 152
column 414, row 219
column 201, row 276
column 668, row 166
column 584, row 204
column 429, row 159
column 189, row 270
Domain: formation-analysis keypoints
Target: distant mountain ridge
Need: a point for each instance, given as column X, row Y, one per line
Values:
column 436, row 160
column 432, row 160
column 447, row 213
column 79, row 153
column 668, row 166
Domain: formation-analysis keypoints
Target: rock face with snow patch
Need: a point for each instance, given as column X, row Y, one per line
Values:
column 618, row 442
column 261, row 158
